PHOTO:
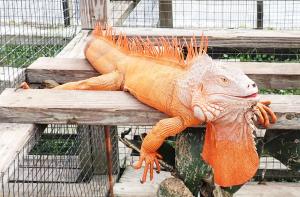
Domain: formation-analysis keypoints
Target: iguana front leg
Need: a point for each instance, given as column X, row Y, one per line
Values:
column 263, row 111
column 152, row 142
column 110, row 81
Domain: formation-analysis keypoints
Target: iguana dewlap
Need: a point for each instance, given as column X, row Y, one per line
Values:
column 191, row 91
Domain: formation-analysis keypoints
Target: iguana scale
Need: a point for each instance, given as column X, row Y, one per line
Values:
column 192, row 91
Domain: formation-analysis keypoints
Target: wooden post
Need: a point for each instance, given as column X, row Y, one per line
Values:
column 66, row 13
column 260, row 14
column 165, row 13
column 93, row 151
column 85, row 154
column 109, row 159
column 92, row 11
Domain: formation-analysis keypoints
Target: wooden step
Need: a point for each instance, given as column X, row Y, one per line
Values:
column 62, row 70
column 129, row 184
column 44, row 175
column 270, row 189
column 13, row 137
column 95, row 187
column 108, row 108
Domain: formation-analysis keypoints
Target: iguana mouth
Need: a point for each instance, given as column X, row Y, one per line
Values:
column 249, row 96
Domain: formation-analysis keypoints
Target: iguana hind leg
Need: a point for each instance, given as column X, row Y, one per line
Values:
column 109, row 82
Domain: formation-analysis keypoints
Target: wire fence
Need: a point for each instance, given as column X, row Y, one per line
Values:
column 64, row 160
column 70, row 160
column 273, row 166
column 30, row 29
column 237, row 14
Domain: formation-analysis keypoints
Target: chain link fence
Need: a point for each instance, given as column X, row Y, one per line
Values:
column 30, row 29
column 237, row 14
column 70, row 160
column 62, row 160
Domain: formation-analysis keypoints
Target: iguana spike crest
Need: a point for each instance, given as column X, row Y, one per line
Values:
column 161, row 49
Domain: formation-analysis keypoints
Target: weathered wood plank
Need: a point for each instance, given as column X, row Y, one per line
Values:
column 108, row 108
column 86, row 107
column 75, row 48
column 45, row 175
column 95, row 187
column 271, row 189
column 129, row 184
column 62, row 70
column 224, row 37
column 92, row 11
column 12, row 139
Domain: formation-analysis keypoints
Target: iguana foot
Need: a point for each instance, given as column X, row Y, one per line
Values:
column 49, row 84
column 150, row 159
column 263, row 112
column 23, row 85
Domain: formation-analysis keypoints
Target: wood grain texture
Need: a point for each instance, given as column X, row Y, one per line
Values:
column 13, row 137
column 62, row 70
column 84, row 107
column 271, row 189
column 224, row 37
column 92, row 11
column 129, row 184
column 108, row 108
column 75, row 48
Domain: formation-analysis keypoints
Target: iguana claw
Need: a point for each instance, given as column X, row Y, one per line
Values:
column 150, row 159
column 263, row 112
column 23, row 85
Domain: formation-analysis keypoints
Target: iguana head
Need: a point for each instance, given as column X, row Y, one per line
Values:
column 223, row 97
column 211, row 89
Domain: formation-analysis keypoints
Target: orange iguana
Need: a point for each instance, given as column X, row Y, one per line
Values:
column 191, row 90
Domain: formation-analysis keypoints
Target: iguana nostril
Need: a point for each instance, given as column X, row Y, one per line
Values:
column 253, row 85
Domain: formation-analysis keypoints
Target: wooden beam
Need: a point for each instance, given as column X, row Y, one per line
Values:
column 92, row 11
column 165, row 14
column 260, row 15
column 108, row 108
column 62, row 70
column 235, row 38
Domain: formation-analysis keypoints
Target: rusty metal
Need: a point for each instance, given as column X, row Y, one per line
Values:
column 109, row 159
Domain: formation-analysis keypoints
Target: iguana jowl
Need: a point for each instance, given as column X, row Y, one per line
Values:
column 191, row 91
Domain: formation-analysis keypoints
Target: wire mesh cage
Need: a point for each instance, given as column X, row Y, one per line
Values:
column 237, row 14
column 70, row 160
column 30, row 29
column 63, row 160
column 273, row 167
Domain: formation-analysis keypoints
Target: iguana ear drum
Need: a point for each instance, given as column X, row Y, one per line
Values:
column 233, row 162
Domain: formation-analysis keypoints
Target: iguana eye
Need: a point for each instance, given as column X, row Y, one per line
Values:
column 224, row 81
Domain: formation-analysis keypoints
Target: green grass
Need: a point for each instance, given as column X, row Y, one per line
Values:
column 55, row 145
column 24, row 55
column 254, row 57
column 295, row 91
